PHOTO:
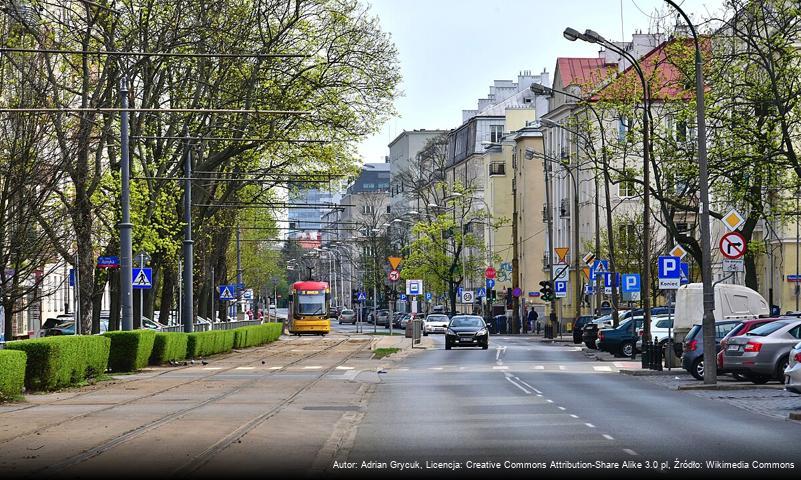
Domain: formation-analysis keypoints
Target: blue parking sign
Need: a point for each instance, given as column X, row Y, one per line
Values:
column 429, row 296
column 631, row 282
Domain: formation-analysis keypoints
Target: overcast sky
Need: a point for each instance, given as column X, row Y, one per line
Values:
column 452, row 50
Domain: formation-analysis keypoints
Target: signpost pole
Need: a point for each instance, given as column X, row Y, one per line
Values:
column 141, row 290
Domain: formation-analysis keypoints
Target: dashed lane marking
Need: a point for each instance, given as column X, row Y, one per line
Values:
column 549, row 401
column 275, row 368
column 590, row 425
column 630, row 452
column 602, row 369
column 518, row 386
column 312, row 367
column 500, row 367
column 574, row 416
column 539, row 367
column 608, row 437
column 342, row 367
column 245, row 368
column 212, row 368
column 562, row 367
column 435, row 368
column 561, row 408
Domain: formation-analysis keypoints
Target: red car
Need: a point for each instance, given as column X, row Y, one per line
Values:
column 744, row 327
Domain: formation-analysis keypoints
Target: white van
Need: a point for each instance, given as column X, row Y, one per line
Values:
column 731, row 302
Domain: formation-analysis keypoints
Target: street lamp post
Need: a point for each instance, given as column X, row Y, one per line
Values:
column 710, row 356
column 125, row 225
column 593, row 37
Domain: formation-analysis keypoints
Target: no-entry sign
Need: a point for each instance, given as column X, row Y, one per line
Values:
column 732, row 245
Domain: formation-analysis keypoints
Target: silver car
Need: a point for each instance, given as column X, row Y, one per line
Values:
column 792, row 376
column 347, row 316
column 435, row 323
column 763, row 353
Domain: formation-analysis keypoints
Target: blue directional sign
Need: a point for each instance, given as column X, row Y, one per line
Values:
column 669, row 272
column 227, row 292
column 685, row 273
column 598, row 267
column 142, row 278
column 72, row 277
column 560, row 288
column 481, row 292
column 429, row 296
column 361, row 297
column 631, row 282
column 490, row 283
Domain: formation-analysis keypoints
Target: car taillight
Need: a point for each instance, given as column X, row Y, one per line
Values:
column 639, row 333
column 798, row 357
column 753, row 347
column 600, row 335
column 691, row 346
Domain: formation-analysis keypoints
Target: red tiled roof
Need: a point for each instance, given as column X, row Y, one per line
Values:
column 581, row 71
column 666, row 80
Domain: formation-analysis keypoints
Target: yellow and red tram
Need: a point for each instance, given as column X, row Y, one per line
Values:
column 309, row 308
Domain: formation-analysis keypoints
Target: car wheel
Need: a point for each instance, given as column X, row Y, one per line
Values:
column 739, row 377
column 340, row 322
column 590, row 345
column 697, row 368
column 626, row 348
column 485, row 346
column 425, row 333
column 781, row 367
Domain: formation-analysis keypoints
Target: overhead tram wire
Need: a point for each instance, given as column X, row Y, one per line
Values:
column 152, row 110
column 153, row 54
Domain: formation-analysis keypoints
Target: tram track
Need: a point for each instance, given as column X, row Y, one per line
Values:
column 36, row 431
column 154, row 424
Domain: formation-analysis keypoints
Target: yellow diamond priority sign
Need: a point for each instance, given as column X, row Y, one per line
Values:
column 678, row 251
column 733, row 220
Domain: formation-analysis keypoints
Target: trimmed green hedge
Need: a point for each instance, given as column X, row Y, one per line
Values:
column 12, row 373
column 256, row 335
column 169, row 346
column 56, row 362
column 130, row 350
column 208, row 343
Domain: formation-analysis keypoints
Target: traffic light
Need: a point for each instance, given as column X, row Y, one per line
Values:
column 546, row 291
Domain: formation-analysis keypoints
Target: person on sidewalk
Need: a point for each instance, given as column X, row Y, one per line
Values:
column 532, row 319
column 538, row 326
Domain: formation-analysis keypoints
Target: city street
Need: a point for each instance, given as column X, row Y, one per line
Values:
column 520, row 401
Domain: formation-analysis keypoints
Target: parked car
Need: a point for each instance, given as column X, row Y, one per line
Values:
column 65, row 328
column 792, row 375
column 499, row 325
column 692, row 357
column 579, row 326
column 152, row 324
column 466, row 330
column 763, row 353
column 438, row 309
column 51, row 323
column 741, row 329
column 435, row 323
column 396, row 318
column 379, row 317
column 620, row 340
column 347, row 316
column 661, row 328
column 589, row 334
column 406, row 318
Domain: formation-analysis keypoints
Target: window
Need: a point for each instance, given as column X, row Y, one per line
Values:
column 721, row 329
column 796, row 332
column 628, row 236
column 367, row 209
column 623, row 128
column 497, row 168
column 625, row 188
column 388, row 208
column 496, row 133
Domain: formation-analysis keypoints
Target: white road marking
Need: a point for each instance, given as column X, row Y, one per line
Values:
column 608, row 437
column 630, row 452
column 574, row 416
column 562, row 367
column 539, row 367
column 275, row 368
column 500, row 367
column 312, row 367
column 518, row 386
column 590, row 425
column 549, row 401
column 213, row 368
column 435, row 368
column 602, row 369
column 539, row 395
column 402, row 369
column 529, row 386
column 561, row 408
column 342, row 367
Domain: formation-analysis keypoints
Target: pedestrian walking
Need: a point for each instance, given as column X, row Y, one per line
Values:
column 532, row 318
column 538, row 327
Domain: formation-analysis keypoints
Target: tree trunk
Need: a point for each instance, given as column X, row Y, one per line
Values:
column 751, row 280
column 167, row 294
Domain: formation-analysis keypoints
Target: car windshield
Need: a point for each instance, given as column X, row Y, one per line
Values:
column 767, row 329
column 437, row 318
column 467, row 322
column 664, row 323
column 311, row 304
column 347, row 312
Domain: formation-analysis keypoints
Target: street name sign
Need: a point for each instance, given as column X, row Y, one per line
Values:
column 732, row 245
column 108, row 262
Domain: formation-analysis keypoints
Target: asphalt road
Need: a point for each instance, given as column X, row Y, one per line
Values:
column 525, row 401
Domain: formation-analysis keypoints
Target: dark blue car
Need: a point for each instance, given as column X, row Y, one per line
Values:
column 620, row 340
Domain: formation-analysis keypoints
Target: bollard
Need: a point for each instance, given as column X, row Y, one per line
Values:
column 659, row 356
column 646, row 350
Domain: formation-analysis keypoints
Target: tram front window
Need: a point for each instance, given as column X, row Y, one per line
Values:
column 311, row 304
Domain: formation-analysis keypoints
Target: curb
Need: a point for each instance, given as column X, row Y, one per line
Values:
column 795, row 416
column 645, row 373
column 734, row 386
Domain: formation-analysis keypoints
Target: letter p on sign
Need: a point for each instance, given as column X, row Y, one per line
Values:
column 669, row 267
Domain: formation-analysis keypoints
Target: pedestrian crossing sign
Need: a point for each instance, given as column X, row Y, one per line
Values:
column 142, row 278
column 227, row 292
